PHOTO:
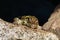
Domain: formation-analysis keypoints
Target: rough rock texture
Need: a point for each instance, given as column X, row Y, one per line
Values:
column 53, row 24
column 9, row 31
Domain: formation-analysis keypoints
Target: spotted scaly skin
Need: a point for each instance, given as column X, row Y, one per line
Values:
column 32, row 21
column 29, row 21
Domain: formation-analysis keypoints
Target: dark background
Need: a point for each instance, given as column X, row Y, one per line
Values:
column 42, row 9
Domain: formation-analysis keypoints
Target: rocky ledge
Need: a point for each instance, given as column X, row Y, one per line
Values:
column 10, row 31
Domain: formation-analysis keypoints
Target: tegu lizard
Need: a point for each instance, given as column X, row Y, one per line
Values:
column 29, row 21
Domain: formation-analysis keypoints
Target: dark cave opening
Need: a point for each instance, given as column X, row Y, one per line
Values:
column 42, row 9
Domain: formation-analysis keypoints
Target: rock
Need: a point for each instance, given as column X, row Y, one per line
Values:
column 53, row 24
column 10, row 31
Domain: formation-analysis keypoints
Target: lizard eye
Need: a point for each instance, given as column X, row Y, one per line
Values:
column 28, row 18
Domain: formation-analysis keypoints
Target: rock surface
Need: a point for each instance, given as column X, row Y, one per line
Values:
column 10, row 31
column 53, row 24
